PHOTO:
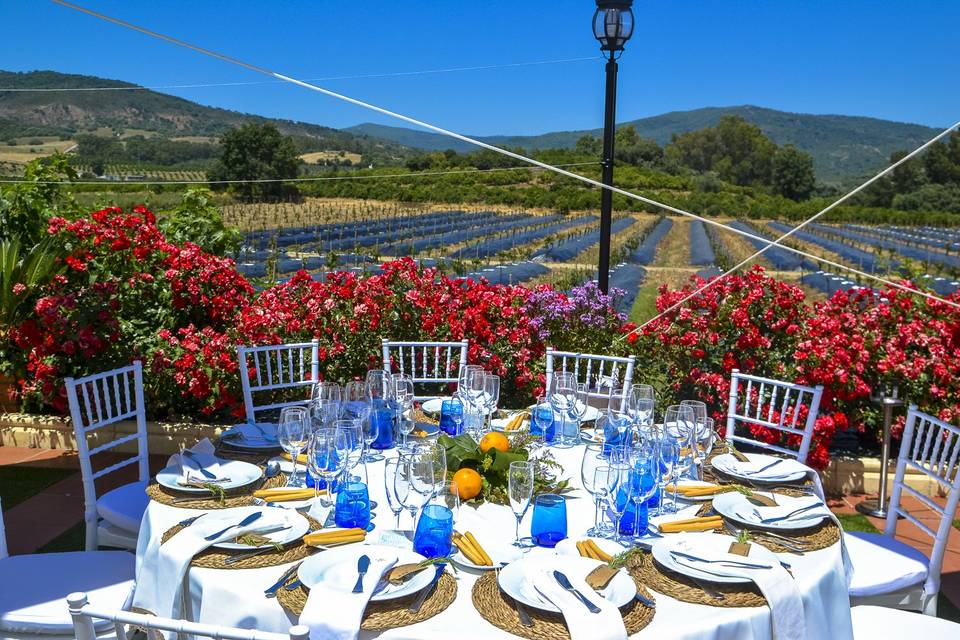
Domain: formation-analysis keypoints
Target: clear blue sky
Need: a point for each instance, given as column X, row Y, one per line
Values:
column 888, row 59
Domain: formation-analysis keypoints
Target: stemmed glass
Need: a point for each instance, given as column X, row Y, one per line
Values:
column 642, row 464
column 520, row 490
column 641, row 404
column 391, row 469
column 669, row 454
column 379, row 384
column 542, row 421
column 471, row 391
column 563, row 396
column 353, row 433
column 327, row 459
column 619, row 493
column 491, row 396
column 403, row 485
column 594, row 459
column 579, row 408
column 293, row 435
column 325, row 403
column 403, row 390
column 357, row 406
column 699, row 410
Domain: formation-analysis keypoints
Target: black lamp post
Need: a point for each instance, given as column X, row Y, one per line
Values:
column 612, row 26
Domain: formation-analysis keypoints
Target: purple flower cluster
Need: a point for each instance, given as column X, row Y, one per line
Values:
column 557, row 315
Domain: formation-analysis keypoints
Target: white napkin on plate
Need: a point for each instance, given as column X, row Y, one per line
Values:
column 778, row 471
column 807, row 518
column 583, row 625
column 260, row 432
column 164, row 566
column 776, row 585
column 202, row 457
column 334, row 612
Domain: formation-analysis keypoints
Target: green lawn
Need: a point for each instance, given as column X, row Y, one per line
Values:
column 19, row 483
column 856, row 522
column 956, row 523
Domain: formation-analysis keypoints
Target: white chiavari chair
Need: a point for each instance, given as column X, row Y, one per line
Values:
column 32, row 588
column 276, row 367
column 85, row 614
column 772, row 404
column 97, row 402
column 433, row 363
column 889, row 572
column 602, row 374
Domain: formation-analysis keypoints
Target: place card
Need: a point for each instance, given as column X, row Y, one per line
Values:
column 601, row 576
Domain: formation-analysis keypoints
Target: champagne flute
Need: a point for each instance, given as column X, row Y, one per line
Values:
column 403, row 389
column 699, row 419
column 520, row 490
column 391, row 468
column 325, row 403
column 353, row 435
column 642, row 462
column 293, row 435
column 601, row 484
column 593, row 459
column 491, row 396
column 357, row 406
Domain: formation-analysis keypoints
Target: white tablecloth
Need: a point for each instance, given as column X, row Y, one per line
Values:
column 234, row 597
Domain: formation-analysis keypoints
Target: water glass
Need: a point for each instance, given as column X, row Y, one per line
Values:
column 491, row 395
column 326, row 460
column 619, row 494
column 434, row 531
column 353, row 434
column 594, row 459
column 520, row 491
column 451, row 417
column 353, row 506
column 293, row 435
column 549, row 525
column 325, row 403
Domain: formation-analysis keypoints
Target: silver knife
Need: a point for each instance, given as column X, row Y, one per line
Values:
column 415, row 607
column 564, row 582
column 764, row 468
column 271, row 591
column 362, row 565
column 250, row 519
column 205, row 473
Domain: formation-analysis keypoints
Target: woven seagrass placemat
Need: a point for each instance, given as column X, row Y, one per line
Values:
column 242, row 497
column 680, row 587
column 213, row 558
column 826, row 534
column 388, row 614
column 497, row 608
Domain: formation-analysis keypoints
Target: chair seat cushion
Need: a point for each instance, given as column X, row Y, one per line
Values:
column 123, row 507
column 873, row 623
column 882, row 564
column 34, row 588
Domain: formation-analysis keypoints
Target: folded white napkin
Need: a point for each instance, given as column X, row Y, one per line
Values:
column 583, row 625
column 164, row 566
column 334, row 612
column 776, row 585
column 807, row 518
column 262, row 431
column 202, row 458
column 778, row 471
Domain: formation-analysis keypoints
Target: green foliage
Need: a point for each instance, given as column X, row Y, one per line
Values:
column 257, row 152
column 31, row 267
column 153, row 151
column 930, row 197
column 26, row 207
column 791, row 173
column 197, row 219
column 737, row 150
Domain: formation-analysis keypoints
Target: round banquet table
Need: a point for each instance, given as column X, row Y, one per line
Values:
column 234, row 597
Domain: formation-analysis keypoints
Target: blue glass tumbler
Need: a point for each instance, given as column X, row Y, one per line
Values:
column 382, row 416
column 549, row 525
column 353, row 506
column 434, row 531
column 451, row 417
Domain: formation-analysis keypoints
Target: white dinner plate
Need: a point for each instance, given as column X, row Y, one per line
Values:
column 266, row 440
column 695, row 483
column 515, row 580
column 592, row 435
column 499, row 553
column 337, row 568
column 568, row 546
column 709, row 546
column 735, row 506
column 788, row 470
column 240, row 473
column 433, row 405
column 284, row 518
column 589, row 415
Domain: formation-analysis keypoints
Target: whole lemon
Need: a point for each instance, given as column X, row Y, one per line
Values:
column 467, row 483
column 494, row 440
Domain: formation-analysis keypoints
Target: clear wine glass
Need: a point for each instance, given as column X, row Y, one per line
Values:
column 325, row 403
column 642, row 462
column 403, row 484
column 601, row 485
column 491, row 396
column 327, row 459
column 641, row 405
column 520, row 491
column 353, row 433
column 619, row 494
column 403, row 389
column 563, row 396
column 669, row 454
column 593, row 459
column 699, row 410
column 357, row 406
column 293, row 435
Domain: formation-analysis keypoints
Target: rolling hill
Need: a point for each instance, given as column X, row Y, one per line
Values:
column 843, row 147
column 143, row 110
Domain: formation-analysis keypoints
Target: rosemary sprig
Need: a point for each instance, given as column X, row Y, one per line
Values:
column 624, row 558
column 256, row 540
column 423, row 564
column 216, row 490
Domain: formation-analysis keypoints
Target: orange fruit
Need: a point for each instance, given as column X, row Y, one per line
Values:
column 467, row 483
column 494, row 440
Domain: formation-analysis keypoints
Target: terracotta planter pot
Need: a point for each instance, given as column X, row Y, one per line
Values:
column 7, row 403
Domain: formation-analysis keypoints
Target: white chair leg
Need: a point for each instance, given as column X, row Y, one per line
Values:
column 92, row 526
column 930, row 604
column 82, row 625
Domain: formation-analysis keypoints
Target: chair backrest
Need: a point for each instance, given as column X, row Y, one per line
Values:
column 98, row 401
column 83, row 616
column 601, row 373
column 776, row 405
column 276, row 367
column 932, row 447
column 436, row 363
